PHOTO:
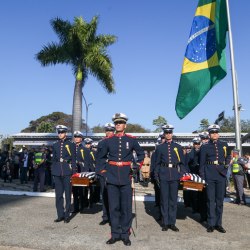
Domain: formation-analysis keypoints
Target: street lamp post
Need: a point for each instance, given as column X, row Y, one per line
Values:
column 87, row 111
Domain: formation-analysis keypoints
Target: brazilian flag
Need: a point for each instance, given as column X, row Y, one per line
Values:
column 204, row 63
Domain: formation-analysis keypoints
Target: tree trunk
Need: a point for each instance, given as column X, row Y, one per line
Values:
column 77, row 107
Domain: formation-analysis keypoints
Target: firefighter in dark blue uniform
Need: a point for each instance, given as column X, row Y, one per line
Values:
column 83, row 164
column 160, row 140
column 214, row 160
column 192, row 161
column 202, row 196
column 168, row 170
column 115, row 156
column 109, row 131
column 63, row 165
column 90, row 191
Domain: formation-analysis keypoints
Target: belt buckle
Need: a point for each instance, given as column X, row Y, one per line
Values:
column 61, row 159
column 170, row 165
column 119, row 164
column 216, row 162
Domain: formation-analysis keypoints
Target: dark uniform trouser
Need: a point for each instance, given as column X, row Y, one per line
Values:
column 215, row 198
column 78, row 198
column 39, row 177
column 23, row 174
column 238, row 183
column 105, row 202
column 157, row 194
column 120, row 210
column 169, row 195
column 62, row 184
column 202, row 199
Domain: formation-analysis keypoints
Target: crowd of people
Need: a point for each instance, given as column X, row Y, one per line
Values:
column 117, row 158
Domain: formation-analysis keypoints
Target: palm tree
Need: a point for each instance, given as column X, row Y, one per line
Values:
column 86, row 52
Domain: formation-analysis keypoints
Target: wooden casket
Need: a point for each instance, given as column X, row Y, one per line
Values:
column 82, row 179
column 191, row 185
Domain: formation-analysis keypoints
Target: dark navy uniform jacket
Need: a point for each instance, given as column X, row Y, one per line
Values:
column 192, row 161
column 169, row 153
column 83, row 160
column 152, row 165
column 100, row 167
column 212, row 152
column 64, row 150
column 119, row 149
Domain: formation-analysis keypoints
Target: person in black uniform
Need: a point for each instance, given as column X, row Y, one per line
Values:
column 115, row 156
column 214, row 160
column 90, row 191
column 168, row 170
column 109, row 131
column 83, row 164
column 192, row 163
column 160, row 140
column 63, row 165
column 202, row 196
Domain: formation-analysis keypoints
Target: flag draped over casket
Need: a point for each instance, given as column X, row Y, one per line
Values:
column 192, row 182
column 89, row 175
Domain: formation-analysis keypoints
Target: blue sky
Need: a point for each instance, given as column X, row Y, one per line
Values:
column 147, row 59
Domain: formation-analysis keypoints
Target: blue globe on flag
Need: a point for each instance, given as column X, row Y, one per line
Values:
column 202, row 40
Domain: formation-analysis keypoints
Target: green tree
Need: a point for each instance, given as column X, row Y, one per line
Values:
column 45, row 127
column 98, row 129
column 53, row 119
column 158, row 122
column 204, row 124
column 228, row 125
column 131, row 128
column 86, row 52
column 135, row 128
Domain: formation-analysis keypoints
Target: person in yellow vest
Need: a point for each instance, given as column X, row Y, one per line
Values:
column 145, row 170
column 39, row 169
column 238, row 166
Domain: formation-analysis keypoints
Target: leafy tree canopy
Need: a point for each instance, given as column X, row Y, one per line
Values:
column 48, row 123
column 227, row 125
column 158, row 122
column 131, row 128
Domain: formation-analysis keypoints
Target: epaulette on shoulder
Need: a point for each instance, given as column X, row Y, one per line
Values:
column 131, row 136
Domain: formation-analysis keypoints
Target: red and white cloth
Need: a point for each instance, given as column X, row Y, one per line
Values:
column 89, row 175
column 192, row 177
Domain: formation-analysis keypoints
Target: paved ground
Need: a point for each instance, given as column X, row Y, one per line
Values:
column 27, row 223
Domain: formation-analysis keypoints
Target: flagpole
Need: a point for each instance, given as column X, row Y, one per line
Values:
column 235, row 84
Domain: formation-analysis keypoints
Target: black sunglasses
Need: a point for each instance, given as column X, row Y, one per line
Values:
column 119, row 122
column 61, row 132
column 214, row 132
column 168, row 132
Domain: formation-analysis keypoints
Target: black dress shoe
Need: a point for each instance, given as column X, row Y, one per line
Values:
column 75, row 211
column 210, row 229
column 220, row 229
column 158, row 218
column 126, row 242
column 164, row 228
column 103, row 222
column 59, row 219
column 82, row 211
column 174, row 228
column 67, row 220
column 112, row 241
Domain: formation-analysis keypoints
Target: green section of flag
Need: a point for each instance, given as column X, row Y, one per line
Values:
column 195, row 84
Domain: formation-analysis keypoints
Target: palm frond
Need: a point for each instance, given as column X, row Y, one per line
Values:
column 105, row 40
column 100, row 66
column 61, row 28
column 52, row 54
